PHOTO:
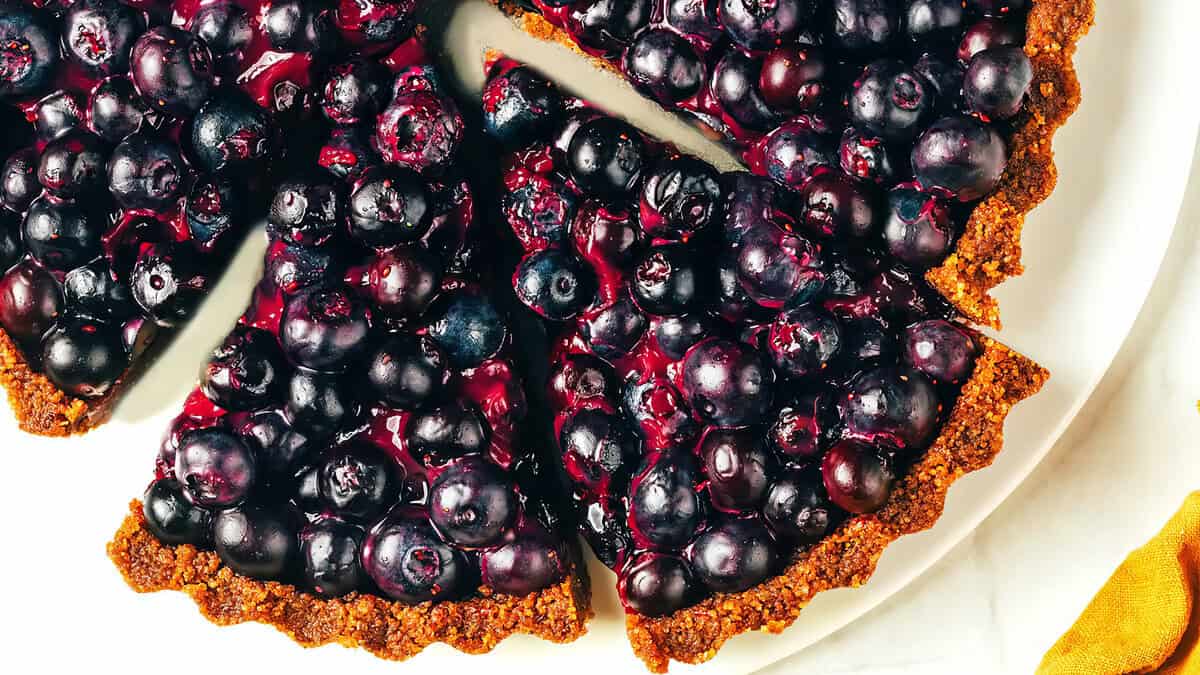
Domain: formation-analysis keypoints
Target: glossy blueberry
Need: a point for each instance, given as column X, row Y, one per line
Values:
column 10, row 239
column 797, row 508
column 942, row 350
column 666, row 281
column 857, row 477
column 330, row 553
column 146, row 171
column 665, row 506
column 798, row 150
column 607, row 24
column 320, row 404
column 579, row 377
column 738, row 469
column 389, row 207
column 440, row 435
column 212, row 208
column 419, row 131
column 232, row 133
column 803, row 342
column 676, row 334
column 734, row 84
column 918, row 230
column 659, row 412
column 997, row 82
column 114, row 110
column 84, row 356
column 945, row 75
column 762, row 24
column 247, row 372
column 306, row 211
column 472, row 503
column 733, row 555
column 19, row 185
column 800, row 428
column 657, row 585
column 29, row 51
column 866, row 157
column 539, row 212
column 864, row 25
column 278, row 447
column 172, row 70
column 376, row 21
column 664, row 66
column 680, row 197
column 530, row 561
column 62, row 235
column 215, row 467
column 172, row 518
column 520, row 106
column 407, row 371
column 727, row 383
column 777, row 268
column 697, row 19
column 165, row 283
column 598, row 449
column 934, row 21
column 98, row 35
column 554, row 283
column 795, row 78
column 606, row 157
column 891, row 101
column 225, row 28
column 897, row 406
column 604, row 525
column 72, row 165
column 355, row 92
column 834, row 205
column 298, row 25
column 404, row 281
column 989, row 33
column 56, row 114
column 30, row 302
column 359, row 482
column 257, row 541
column 468, row 327
column 615, row 330
column 409, row 563
column 324, row 330
column 959, row 157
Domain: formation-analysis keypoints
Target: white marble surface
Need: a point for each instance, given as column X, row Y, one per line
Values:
column 1005, row 594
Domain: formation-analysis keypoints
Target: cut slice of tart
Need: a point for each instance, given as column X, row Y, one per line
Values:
column 139, row 140
column 754, row 73
column 754, row 390
column 351, row 467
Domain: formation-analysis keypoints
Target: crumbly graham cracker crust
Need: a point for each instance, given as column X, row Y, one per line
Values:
column 970, row 440
column 989, row 250
column 41, row 407
column 388, row 629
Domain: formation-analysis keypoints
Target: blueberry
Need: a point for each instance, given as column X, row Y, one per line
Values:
column 795, row 78
column 347, row 153
column 676, row 334
column 441, row 435
column 172, row 518
column 597, row 449
column 165, row 284
column 409, row 563
column 84, row 356
column 801, row 428
column 99, row 34
column 890, row 100
column 942, row 350
column 664, row 66
column 798, row 150
column 215, row 467
column 803, row 342
column 278, row 447
column 247, row 372
column 945, row 75
column 30, row 302
column 865, row 25
column 468, row 328
column 324, row 330
column 530, row 561
column 56, row 114
column 604, row 525
column 10, row 239
column 19, row 185
column 666, row 281
column 615, row 330
column 389, row 207
column 857, row 477
column 212, row 208
column 657, row 585
column 377, row 21
column 359, row 482
column 897, row 406
column 114, row 110
column 776, row 268
column 232, row 133
column 733, row 556
column 30, row 52
column 298, row 25
column 606, row 157
column 257, row 541
column 355, row 92
column 330, row 551
column 293, row 268
column 762, row 24
column 306, row 211
column 607, row 24
column 680, row 197
column 734, row 84
column 472, row 503
column 579, row 377
column 225, row 28
column 539, row 212
column 72, row 165
column 554, row 283
column 665, row 507
column 989, row 33
column 419, row 131
column 658, row 410
column 866, row 157
column 738, row 469
column 62, row 235
column 960, row 157
column 520, row 106
column 934, row 21
column 406, row 371
column 404, row 281
column 997, row 82
column 727, row 383
column 320, row 404
column 172, row 70
column 797, row 508
column 918, row 231
column 693, row 18
column 146, row 171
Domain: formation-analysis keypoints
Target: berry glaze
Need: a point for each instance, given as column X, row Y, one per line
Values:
column 142, row 137
column 737, row 367
column 359, row 431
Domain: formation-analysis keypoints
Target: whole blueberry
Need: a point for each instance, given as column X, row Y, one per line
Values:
column 306, row 211
column 420, row 131
column 934, row 21
column 762, row 24
column 84, row 356
column 172, row 70
column 520, row 105
column 409, row 563
column 389, row 207
column 866, row 157
column 777, row 268
column 598, row 449
column 738, row 469
column 801, row 428
column 676, row 334
column 114, row 110
column 614, row 330
column 680, row 197
column 30, row 51
column 960, row 157
column 215, row 467
column 403, row 281
column 734, row 555
column 795, row 78
column 468, row 327
column 355, row 91
column 406, row 371
column 320, row 404
column 857, row 477
column 997, row 82
column 734, row 84
column 324, row 329
column 257, row 541
column 528, row 562
column 989, row 33
column 440, row 435
column 657, row 585
column 896, row 406
column 834, row 205
column 330, row 552
column 146, row 171
column 172, row 517
column 246, row 372
column 554, row 283
column 606, row 157
column 665, row 506
column 19, row 184
column 692, row 18
column 225, row 28
column 359, row 482
column 30, row 302
column 232, row 133
column 940, row 349
column 56, row 114
column 472, row 503
column 298, row 25
column 98, row 35
column 890, row 100
column 278, row 447
column 72, row 165
column 798, row 150
column 62, row 235
column 664, row 66
column 211, row 208
column 804, row 341
column 797, row 508
column 607, row 24
column 667, row 281
column 658, row 411
column 727, row 383
column 539, row 211
column 918, row 231
column 864, row 25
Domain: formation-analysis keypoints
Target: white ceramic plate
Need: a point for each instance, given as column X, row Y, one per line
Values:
column 1092, row 253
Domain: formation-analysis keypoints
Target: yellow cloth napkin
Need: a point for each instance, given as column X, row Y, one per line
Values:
column 1142, row 621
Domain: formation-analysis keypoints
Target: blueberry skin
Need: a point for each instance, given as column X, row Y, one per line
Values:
column 172, row 70
column 615, row 330
column 61, row 235
column 37, row 42
column 114, row 109
column 762, row 24
column 864, row 25
column 145, row 171
column 329, row 551
column 664, row 66
column 216, row 467
column 469, row 329
column 113, row 25
column 531, row 561
column 84, row 356
column 733, row 556
column 554, row 283
column 257, row 541
column 997, row 82
column 960, row 157
column 409, row 563
column 472, row 503
column 520, row 106
column 657, row 585
column 172, row 518
column 606, row 157
column 665, row 508
column 325, row 330
column 230, row 132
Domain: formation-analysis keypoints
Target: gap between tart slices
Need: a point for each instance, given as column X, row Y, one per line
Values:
column 388, row 629
column 988, row 252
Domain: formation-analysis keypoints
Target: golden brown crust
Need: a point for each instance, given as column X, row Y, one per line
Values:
column 41, row 407
column 989, row 250
column 388, row 629
column 970, row 441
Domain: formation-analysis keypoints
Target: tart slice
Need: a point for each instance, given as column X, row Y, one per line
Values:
column 351, row 467
column 139, row 140
column 906, row 78
column 754, row 391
